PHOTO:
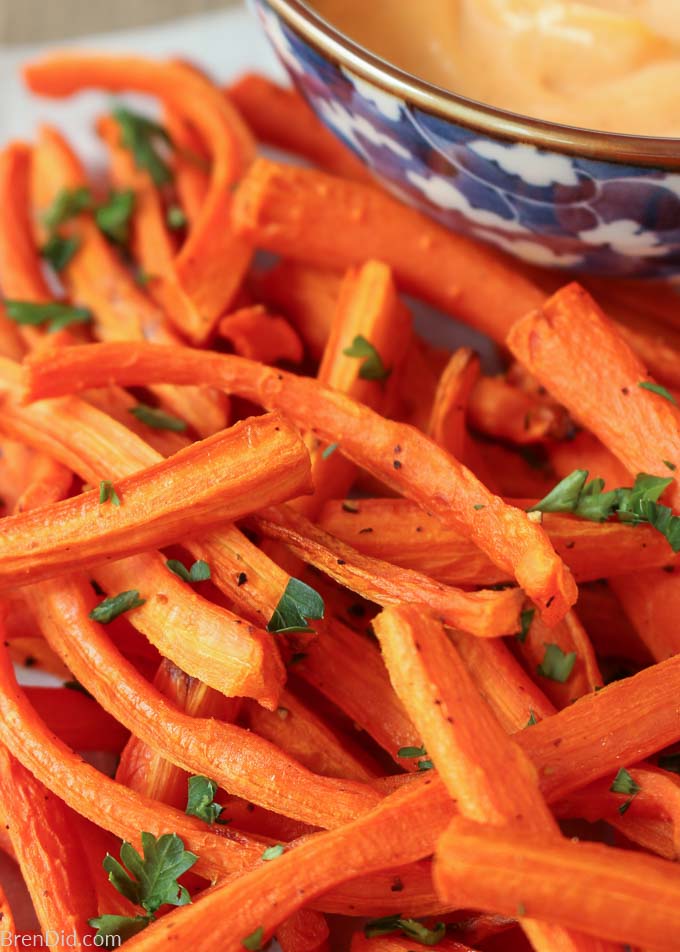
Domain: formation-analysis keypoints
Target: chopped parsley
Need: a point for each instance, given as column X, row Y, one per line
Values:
column 107, row 493
column 624, row 783
column 175, row 217
column 557, row 665
column 59, row 250
column 409, row 927
column 68, row 203
column 532, row 719
column 410, row 753
column 201, row 799
column 52, row 313
column 157, row 419
column 372, row 367
column 116, row 605
column 253, row 942
column 525, row 619
column 669, row 465
column 297, row 605
column 113, row 217
column 273, row 852
column 658, row 389
column 199, row 571
column 147, row 141
column 330, row 449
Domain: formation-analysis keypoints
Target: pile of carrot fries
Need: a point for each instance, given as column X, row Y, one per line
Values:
column 384, row 648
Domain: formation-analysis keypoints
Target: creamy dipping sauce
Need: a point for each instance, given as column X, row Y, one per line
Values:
column 603, row 64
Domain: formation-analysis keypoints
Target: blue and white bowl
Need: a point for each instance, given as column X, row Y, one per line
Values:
column 550, row 194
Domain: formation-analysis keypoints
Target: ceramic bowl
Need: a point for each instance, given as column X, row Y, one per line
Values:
column 550, row 194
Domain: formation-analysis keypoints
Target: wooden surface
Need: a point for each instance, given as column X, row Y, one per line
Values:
column 38, row 21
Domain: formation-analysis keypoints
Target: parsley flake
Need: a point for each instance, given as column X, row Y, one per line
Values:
column 58, row 250
column 557, row 665
column 658, row 389
column 669, row 465
column 107, row 493
column 123, row 926
column 409, row 927
column 372, row 367
column 147, row 140
column 532, row 719
column 410, row 753
column 273, row 852
column 330, row 449
column 253, row 942
column 68, row 203
column 52, row 313
column 116, row 605
column 200, row 799
column 175, row 217
column 113, row 217
column 297, row 605
column 525, row 619
column 624, row 783
column 157, row 419
column 199, row 571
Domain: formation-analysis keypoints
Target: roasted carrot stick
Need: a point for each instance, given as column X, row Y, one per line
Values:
column 199, row 267
column 97, row 278
column 7, row 927
column 504, row 412
column 397, row 943
column 20, row 271
column 295, row 728
column 48, row 482
column 76, row 719
column 236, row 759
column 398, row 531
column 391, row 451
column 586, row 451
column 261, row 336
column 305, row 931
column 651, row 600
column 615, row 895
column 49, row 852
column 447, row 418
column 307, row 296
column 641, row 428
column 465, row 741
column 334, row 223
column 486, row 613
column 238, row 462
column 190, row 164
column 281, row 118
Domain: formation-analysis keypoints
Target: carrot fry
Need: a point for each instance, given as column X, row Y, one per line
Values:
column 307, row 296
column 281, row 118
column 641, row 428
column 7, row 926
column 585, row 450
column 504, row 412
column 199, row 267
column 49, row 482
column 49, row 852
column 297, row 730
column 570, row 637
column 485, row 613
column 190, row 164
column 92, row 794
column 236, row 759
column 305, row 931
column 98, row 279
column 76, row 719
column 446, row 488
column 465, row 741
column 622, row 897
column 449, row 407
column 261, row 336
column 250, row 462
column 651, row 600
column 395, row 943
column 334, row 223
column 398, row 531
column 270, row 893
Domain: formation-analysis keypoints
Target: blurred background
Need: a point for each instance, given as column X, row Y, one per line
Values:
column 38, row 21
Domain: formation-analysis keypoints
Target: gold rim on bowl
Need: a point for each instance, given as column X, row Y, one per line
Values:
column 663, row 153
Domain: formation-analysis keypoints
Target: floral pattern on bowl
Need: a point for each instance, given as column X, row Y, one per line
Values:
column 547, row 208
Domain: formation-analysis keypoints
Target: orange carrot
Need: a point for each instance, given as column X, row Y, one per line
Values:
column 579, row 356
column 190, row 164
column 389, row 450
column 49, row 482
column 281, row 118
column 261, row 336
column 20, row 271
column 76, row 719
column 447, row 419
column 651, row 600
column 305, row 931
column 586, row 451
column 504, row 412
column 49, row 852
column 239, row 463
column 199, row 267
column 615, row 895
column 397, row 943
column 334, row 223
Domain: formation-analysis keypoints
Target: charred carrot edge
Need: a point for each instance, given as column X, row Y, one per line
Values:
column 281, row 118
column 466, row 742
column 641, row 428
column 337, row 224
column 389, row 450
column 297, row 730
column 190, row 164
column 394, row 943
column 570, row 637
column 48, row 850
column 398, row 531
column 97, row 278
column 240, row 462
column 273, row 891
column 651, row 818
column 614, row 895
column 486, row 613
column 368, row 307
column 236, row 759
column 92, row 794
column 305, row 931
column 306, row 295
column 446, row 425
column 199, row 267
column 650, row 600
column 504, row 412
column 146, row 771
column 261, row 336
column 76, row 719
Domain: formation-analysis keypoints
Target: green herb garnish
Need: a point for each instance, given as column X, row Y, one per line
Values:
column 410, row 927
column 201, row 799
column 59, row 250
column 253, row 942
column 157, row 419
column 557, row 665
column 52, row 313
column 372, row 367
column 525, row 619
column 68, row 203
column 113, row 217
column 273, row 852
column 199, row 571
column 297, row 605
column 175, row 217
column 116, row 605
column 624, row 783
column 147, row 140
column 107, row 493
column 657, row 388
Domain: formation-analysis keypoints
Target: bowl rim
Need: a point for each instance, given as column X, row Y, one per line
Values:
column 617, row 147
